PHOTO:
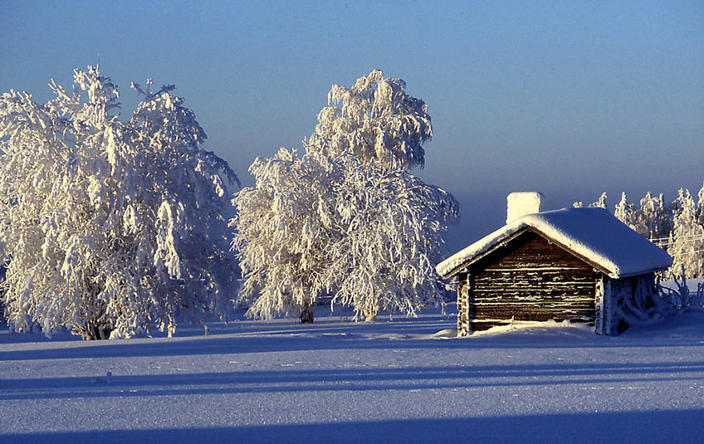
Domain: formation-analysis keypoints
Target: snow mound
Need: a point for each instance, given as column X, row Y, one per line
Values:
column 447, row 333
column 563, row 327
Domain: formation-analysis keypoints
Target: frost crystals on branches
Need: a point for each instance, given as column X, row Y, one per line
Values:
column 346, row 218
column 108, row 228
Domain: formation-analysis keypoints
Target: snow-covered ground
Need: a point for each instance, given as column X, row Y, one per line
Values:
column 336, row 381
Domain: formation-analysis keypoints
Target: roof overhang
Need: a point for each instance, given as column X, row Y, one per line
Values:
column 502, row 242
column 592, row 235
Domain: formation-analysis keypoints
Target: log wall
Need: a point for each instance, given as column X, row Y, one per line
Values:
column 530, row 279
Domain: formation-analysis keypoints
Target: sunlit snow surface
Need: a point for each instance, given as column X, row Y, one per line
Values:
column 336, row 381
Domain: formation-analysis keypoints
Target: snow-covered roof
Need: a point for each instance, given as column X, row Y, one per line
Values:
column 591, row 233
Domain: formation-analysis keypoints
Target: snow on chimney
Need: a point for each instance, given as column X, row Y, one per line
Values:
column 520, row 204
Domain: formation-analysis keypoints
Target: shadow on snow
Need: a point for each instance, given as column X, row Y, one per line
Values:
column 646, row 426
column 357, row 379
column 264, row 337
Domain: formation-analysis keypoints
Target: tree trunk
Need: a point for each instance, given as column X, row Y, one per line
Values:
column 91, row 332
column 370, row 314
column 307, row 313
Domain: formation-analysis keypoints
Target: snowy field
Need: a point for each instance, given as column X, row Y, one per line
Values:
column 394, row 380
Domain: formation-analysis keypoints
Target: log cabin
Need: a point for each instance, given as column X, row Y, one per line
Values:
column 576, row 264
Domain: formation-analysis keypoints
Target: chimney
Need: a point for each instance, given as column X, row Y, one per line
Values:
column 520, row 204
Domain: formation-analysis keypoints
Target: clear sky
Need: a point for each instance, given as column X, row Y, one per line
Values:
column 570, row 98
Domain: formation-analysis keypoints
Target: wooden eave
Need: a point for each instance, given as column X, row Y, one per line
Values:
column 594, row 265
column 508, row 239
column 650, row 270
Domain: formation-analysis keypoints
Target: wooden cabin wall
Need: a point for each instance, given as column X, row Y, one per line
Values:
column 531, row 279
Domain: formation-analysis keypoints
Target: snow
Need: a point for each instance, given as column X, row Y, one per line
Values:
column 592, row 233
column 336, row 381
column 521, row 203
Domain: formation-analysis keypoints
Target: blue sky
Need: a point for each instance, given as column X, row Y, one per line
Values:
column 565, row 97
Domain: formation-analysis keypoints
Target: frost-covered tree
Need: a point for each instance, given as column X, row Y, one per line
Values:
column 700, row 206
column 376, row 121
column 601, row 202
column 283, row 227
column 392, row 239
column 627, row 213
column 687, row 238
column 681, row 201
column 654, row 217
column 346, row 218
column 110, row 228
column 652, row 220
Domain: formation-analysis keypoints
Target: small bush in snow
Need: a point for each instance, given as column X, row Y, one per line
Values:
column 677, row 295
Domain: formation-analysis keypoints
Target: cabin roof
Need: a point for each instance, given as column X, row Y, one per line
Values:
column 592, row 234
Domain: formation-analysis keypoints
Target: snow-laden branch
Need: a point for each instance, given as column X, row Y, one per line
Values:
column 346, row 218
column 110, row 228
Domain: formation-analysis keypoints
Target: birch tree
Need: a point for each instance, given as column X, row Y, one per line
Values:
column 392, row 225
column 346, row 218
column 283, row 226
column 110, row 229
column 375, row 121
